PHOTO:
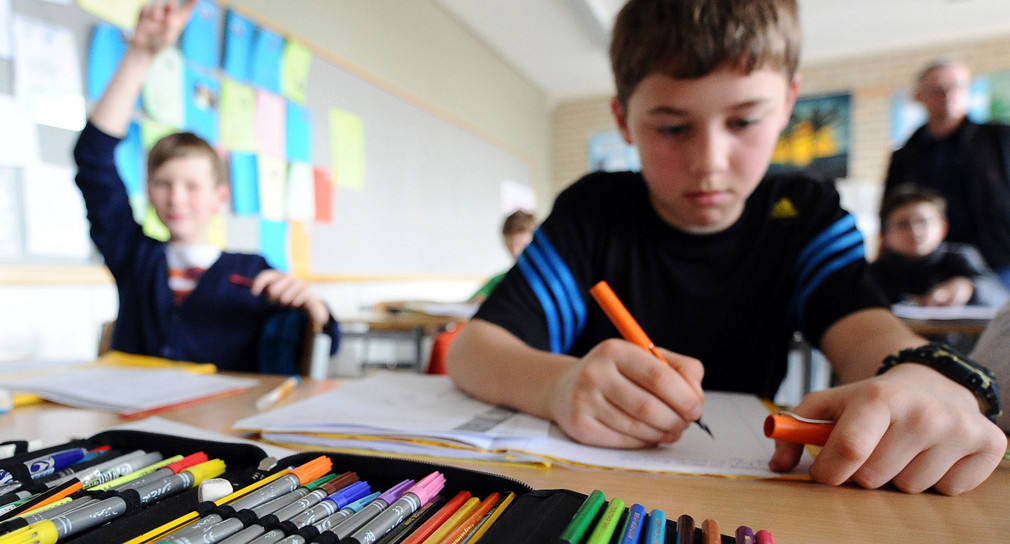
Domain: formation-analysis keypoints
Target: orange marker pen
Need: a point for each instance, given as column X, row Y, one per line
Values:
column 790, row 427
column 627, row 326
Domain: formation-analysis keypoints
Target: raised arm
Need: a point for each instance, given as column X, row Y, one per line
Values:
column 158, row 26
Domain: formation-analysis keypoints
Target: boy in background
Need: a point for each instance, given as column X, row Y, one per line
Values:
column 916, row 265
column 720, row 265
column 185, row 299
column 517, row 232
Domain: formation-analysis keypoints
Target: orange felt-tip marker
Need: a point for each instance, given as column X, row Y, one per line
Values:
column 627, row 326
column 789, row 427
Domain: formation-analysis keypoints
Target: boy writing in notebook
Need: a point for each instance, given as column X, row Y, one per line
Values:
column 719, row 263
column 185, row 299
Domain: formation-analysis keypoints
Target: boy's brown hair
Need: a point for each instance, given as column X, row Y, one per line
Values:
column 910, row 193
column 517, row 222
column 691, row 38
column 186, row 144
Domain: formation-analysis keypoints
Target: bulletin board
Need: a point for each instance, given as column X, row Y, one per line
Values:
column 378, row 185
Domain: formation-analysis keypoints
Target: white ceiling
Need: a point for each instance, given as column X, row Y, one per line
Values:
column 561, row 45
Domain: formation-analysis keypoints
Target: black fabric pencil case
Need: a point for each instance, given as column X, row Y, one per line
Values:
column 536, row 516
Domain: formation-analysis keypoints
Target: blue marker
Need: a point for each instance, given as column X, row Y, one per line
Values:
column 47, row 464
column 655, row 531
column 633, row 525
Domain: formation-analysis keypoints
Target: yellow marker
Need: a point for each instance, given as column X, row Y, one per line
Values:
column 468, row 507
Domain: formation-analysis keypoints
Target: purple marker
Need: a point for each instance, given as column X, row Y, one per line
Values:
column 373, row 509
column 415, row 497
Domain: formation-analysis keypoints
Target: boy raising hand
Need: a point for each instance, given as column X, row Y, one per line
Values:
column 184, row 299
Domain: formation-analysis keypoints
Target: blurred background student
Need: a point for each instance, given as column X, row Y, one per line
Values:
column 917, row 266
column 966, row 162
column 517, row 232
column 185, row 299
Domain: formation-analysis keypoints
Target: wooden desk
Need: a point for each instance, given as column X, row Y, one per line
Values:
column 795, row 512
column 936, row 327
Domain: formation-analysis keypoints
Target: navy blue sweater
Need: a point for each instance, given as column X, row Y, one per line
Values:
column 219, row 322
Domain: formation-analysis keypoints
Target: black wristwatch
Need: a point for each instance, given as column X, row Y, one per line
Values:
column 947, row 361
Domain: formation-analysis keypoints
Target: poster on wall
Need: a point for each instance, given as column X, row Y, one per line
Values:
column 610, row 153
column 816, row 139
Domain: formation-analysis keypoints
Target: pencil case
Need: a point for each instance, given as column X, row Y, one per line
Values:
column 536, row 516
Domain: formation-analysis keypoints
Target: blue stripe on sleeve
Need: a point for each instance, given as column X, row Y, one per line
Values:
column 836, row 247
column 564, row 274
column 552, row 282
column 546, row 302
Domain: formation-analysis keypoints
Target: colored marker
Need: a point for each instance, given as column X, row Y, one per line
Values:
column 491, row 518
column 371, row 510
column 88, row 475
column 239, row 279
column 43, row 466
column 335, row 502
column 789, row 427
column 131, row 481
column 710, row 532
column 468, row 523
column 633, row 525
column 655, row 531
column 608, row 523
column 685, row 529
column 401, row 531
column 429, row 527
column 628, row 327
column 744, row 535
column 763, row 537
column 582, row 519
column 278, row 393
column 332, row 521
column 454, row 520
column 411, row 501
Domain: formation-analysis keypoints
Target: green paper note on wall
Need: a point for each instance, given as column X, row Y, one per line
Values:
column 295, row 64
column 238, row 117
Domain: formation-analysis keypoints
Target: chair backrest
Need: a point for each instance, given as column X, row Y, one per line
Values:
column 285, row 345
column 105, row 337
column 439, row 349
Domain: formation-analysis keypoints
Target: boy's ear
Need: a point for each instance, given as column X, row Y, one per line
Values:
column 620, row 118
column 223, row 194
column 793, row 91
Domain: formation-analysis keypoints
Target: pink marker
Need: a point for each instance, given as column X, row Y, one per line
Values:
column 412, row 500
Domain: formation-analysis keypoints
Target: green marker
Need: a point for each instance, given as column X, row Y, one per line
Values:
column 608, row 523
column 582, row 518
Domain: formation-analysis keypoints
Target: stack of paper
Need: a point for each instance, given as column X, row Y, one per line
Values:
column 131, row 386
column 404, row 413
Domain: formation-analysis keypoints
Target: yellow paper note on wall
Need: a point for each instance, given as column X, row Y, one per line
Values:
column 347, row 149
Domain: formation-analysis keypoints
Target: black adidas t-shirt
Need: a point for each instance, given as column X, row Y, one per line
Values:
column 793, row 261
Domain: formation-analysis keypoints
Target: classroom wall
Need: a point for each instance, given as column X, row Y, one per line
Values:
column 411, row 49
column 872, row 80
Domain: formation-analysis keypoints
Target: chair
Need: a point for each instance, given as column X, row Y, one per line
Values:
column 440, row 348
column 288, row 345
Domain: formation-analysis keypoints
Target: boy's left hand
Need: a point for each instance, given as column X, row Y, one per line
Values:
column 911, row 426
column 286, row 290
column 953, row 292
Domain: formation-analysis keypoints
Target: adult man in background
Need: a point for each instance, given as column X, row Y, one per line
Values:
column 967, row 162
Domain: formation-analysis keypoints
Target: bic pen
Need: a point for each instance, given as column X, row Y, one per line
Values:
column 710, row 533
column 467, row 524
column 486, row 524
column 441, row 517
column 685, row 529
column 413, row 499
column 240, row 280
column 278, row 393
column 790, row 427
column 628, row 327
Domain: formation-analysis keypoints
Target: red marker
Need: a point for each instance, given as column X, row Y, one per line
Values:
column 793, row 428
column 239, row 279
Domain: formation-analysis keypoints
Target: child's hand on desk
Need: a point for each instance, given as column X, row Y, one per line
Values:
column 953, row 292
column 622, row 396
column 911, row 426
column 286, row 290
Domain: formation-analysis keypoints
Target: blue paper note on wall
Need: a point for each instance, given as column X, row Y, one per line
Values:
column 239, row 33
column 129, row 157
column 299, row 141
column 203, row 94
column 201, row 41
column 274, row 243
column 245, row 196
column 266, row 60
column 107, row 48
